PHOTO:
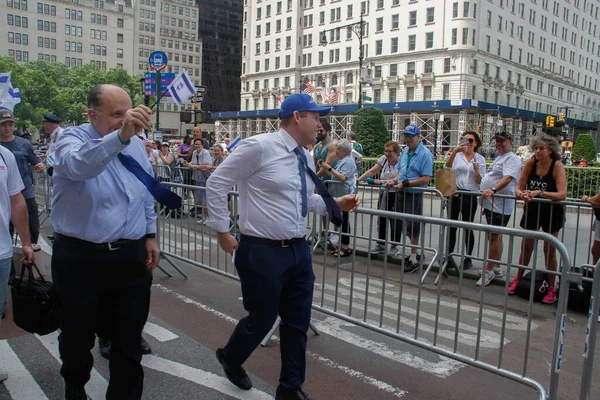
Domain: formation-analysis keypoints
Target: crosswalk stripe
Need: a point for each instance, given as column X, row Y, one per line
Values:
column 159, row 333
column 20, row 384
column 201, row 377
column 97, row 385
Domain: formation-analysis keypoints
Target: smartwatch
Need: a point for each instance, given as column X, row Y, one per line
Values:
column 150, row 236
column 405, row 183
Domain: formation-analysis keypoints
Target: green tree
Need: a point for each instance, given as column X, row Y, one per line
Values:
column 584, row 148
column 371, row 131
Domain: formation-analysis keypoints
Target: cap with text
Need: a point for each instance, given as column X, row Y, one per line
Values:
column 300, row 102
column 503, row 135
column 412, row 129
column 6, row 115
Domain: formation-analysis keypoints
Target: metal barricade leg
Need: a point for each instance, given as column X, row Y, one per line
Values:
column 276, row 324
column 590, row 339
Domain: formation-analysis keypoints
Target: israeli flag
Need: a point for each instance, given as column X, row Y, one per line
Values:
column 9, row 96
column 181, row 88
column 4, row 83
column 234, row 144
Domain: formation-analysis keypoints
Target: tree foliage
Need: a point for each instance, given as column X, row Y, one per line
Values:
column 584, row 148
column 371, row 131
column 53, row 88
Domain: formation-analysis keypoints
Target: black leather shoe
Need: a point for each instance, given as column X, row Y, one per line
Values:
column 285, row 394
column 105, row 347
column 467, row 264
column 146, row 349
column 236, row 375
column 75, row 392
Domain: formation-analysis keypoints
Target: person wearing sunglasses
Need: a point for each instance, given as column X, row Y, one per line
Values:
column 416, row 169
column 470, row 167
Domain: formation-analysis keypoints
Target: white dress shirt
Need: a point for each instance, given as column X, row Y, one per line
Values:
column 465, row 174
column 265, row 168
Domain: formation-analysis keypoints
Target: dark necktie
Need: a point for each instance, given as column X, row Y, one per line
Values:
column 161, row 193
column 333, row 210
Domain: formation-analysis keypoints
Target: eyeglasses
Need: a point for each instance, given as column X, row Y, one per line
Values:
column 409, row 136
column 470, row 140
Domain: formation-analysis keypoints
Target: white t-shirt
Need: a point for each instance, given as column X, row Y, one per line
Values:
column 508, row 164
column 388, row 171
column 10, row 184
column 465, row 174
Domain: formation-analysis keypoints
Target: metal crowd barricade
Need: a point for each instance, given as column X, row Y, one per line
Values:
column 42, row 186
column 163, row 172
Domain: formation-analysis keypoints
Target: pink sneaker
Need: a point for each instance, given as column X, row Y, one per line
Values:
column 513, row 286
column 550, row 296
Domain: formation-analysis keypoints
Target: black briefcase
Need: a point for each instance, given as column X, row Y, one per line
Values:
column 35, row 307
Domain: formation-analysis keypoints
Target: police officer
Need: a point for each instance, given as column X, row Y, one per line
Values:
column 53, row 129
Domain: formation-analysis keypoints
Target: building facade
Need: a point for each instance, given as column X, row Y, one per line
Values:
column 539, row 56
column 220, row 27
column 71, row 32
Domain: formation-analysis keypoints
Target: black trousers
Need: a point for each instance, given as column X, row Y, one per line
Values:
column 102, row 287
column 275, row 280
column 465, row 206
column 345, row 227
column 395, row 224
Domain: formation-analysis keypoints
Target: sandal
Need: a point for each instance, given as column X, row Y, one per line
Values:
column 342, row 253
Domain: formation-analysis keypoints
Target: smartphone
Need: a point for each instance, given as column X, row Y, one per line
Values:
column 463, row 140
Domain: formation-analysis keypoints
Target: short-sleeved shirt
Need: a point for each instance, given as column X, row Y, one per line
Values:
column 465, row 174
column 10, row 185
column 202, row 158
column 508, row 164
column 415, row 165
column 347, row 167
column 388, row 171
column 25, row 156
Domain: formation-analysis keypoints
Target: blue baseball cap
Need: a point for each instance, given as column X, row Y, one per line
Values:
column 300, row 102
column 412, row 129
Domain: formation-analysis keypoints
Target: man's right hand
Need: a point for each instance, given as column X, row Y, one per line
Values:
column 137, row 119
column 228, row 242
column 27, row 253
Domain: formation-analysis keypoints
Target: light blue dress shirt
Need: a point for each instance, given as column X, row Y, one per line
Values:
column 421, row 164
column 95, row 197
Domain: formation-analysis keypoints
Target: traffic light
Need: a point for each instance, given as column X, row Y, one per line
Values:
column 147, row 101
column 561, row 116
column 479, row 129
column 550, row 121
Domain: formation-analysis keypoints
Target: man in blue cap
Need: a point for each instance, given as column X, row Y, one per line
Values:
column 272, row 258
column 416, row 168
column 53, row 130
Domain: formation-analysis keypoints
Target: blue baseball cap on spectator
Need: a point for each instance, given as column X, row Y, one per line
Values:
column 412, row 129
column 300, row 102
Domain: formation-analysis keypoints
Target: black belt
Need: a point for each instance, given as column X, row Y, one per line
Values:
column 271, row 242
column 109, row 246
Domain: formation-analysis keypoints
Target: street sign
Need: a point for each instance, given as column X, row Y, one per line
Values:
column 157, row 60
column 201, row 89
column 197, row 98
column 150, row 83
column 368, row 98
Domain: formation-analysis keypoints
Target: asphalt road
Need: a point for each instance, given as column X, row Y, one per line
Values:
column 191, row 318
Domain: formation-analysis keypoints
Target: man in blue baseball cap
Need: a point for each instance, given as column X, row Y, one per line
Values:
column 416, row 168
column 276, row 180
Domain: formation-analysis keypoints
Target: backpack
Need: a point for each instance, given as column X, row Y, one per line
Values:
column 540, row 288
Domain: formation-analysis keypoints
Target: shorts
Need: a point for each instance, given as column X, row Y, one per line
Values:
column 596, row 230
column 410, row 203
column 496, row 219
column 549, row 219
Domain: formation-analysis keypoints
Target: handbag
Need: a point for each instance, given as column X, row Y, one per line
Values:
column 541, row 285
column 445, row 181
column 35, row 306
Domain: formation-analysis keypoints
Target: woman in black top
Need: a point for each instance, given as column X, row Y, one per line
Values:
column 542, row 177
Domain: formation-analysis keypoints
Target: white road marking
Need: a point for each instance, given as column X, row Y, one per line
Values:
column 158, row 332
column 442, row 368
column 20, row 384
column 46, row 248
column 97, row 385
column 397, row 392
column 201, row 377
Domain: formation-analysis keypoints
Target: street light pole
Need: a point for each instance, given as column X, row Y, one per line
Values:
column 436, row 118
column 358, row 29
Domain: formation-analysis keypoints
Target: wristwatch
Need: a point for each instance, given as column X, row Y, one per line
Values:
column 494, row 189
column 150, row 236
column 330, row 169
column 405, row 183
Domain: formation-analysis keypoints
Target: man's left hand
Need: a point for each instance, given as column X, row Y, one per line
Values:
column 152, row 253
column 349, row 202
column 39, row 167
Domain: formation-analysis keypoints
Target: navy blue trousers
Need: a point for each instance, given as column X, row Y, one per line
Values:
column 275, row 281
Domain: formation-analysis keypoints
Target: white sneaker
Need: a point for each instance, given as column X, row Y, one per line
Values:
column 393, row 251
column 378, row 249
column 35, row 247
column 3, row 374
column 334, row 239
column 497, row 271
column 488, row 277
